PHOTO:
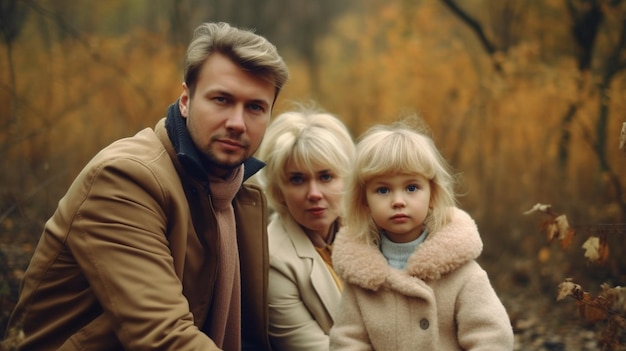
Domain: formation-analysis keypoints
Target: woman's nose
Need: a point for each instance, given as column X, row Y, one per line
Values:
column 314, row 192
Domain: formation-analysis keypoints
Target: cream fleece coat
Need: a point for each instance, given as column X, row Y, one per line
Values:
column 443, row 300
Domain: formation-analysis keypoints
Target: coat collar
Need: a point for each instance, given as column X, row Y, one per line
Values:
column 441, row 253
column 320, row 278
column 299, row 239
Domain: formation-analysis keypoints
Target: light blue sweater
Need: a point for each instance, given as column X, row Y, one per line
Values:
column 398, row 253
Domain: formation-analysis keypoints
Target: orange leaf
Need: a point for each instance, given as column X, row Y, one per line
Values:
column 544, row 255
column 588, row 311
column 603, row 251
column 566, row 239
column 594, row 314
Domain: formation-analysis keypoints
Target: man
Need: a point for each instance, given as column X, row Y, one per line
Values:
column 157, row 243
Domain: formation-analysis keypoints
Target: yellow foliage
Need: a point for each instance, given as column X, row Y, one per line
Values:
column 544, row 255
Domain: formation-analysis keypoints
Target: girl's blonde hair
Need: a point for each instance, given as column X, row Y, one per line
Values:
column 404, row 147
column 306, row 136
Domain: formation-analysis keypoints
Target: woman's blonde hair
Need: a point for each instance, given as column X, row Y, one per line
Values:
column 404, row 147
column 306, row 136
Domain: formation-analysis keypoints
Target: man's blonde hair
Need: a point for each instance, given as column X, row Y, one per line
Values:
column 250, row 51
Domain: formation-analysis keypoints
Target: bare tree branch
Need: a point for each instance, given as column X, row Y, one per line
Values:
column 474, row 26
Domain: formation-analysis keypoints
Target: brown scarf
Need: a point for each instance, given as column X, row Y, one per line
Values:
column 226, row 307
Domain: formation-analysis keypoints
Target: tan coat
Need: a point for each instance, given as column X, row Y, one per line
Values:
column 128, row 262
column 443, row 300
column 302, row 293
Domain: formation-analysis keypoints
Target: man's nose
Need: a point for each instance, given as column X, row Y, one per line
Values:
column 236, row 120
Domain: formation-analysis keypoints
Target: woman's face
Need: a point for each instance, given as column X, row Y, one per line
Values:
column 313, row 198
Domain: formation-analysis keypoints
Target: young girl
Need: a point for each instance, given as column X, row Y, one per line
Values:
column 407, row 255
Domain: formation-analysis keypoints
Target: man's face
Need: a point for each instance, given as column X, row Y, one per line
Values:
column 227, row 114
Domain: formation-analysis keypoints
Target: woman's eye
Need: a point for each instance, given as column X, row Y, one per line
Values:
column 412, row 188
column 326, row 178
column 296, row 180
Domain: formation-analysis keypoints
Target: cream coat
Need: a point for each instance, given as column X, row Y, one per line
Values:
column 302, row 293
column 443, row 300
column 128, row 259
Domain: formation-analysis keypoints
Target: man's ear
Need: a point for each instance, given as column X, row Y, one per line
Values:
column 183, row 101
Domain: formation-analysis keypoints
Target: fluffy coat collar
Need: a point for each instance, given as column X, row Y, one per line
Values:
column 441, row 253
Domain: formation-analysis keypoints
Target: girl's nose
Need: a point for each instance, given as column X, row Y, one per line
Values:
column 398, row 201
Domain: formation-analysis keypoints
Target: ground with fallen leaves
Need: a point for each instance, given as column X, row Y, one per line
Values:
column 540, row 322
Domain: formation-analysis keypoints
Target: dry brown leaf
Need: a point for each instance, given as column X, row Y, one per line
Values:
column 567, row 288
column 616, row 297
column 603, row 251
column 587, row 309
column 620, row 322
column 593, row 314
column 592, row 246
column 562, row 224
column 552, row 231
column 539, row 208
column 14, row 337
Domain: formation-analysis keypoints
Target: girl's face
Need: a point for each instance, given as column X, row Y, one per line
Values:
column 313, row 198
column 399, row 204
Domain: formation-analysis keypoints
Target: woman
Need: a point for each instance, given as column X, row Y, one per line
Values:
column 307, row 155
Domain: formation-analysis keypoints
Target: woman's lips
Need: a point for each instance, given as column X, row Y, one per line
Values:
column 317, row 211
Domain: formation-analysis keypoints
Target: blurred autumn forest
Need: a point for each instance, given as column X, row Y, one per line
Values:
column 526, row 99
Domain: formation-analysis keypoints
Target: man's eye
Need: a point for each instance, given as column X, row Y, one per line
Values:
column 256, row 108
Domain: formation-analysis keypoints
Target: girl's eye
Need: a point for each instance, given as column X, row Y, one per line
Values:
column 412, row 188
column 382, row 190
